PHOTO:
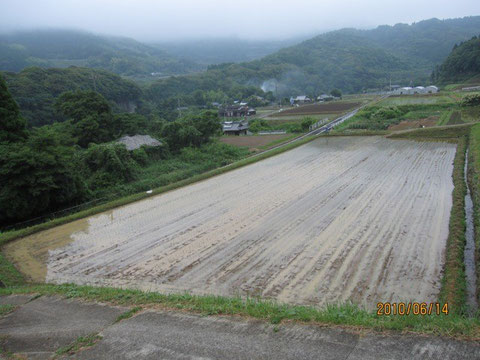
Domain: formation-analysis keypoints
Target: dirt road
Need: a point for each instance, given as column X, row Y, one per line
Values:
column 337, row 219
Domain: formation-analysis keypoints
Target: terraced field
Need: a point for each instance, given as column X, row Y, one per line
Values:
column 337, row 219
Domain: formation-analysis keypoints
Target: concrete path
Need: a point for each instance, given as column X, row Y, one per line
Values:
column 39, row 326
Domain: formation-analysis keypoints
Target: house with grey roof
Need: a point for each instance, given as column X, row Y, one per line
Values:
column 235, row 127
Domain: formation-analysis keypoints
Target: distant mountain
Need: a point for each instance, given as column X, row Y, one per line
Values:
column 462, row 64
column 224, row 50
column 348, row 59
column 63, row 48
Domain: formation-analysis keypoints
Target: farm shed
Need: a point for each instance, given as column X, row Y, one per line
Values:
column 235, row 128
column 432, row 89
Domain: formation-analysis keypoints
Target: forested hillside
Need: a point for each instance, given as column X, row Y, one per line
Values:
column 36, row 90
column 63, row 48
column 348, row 59
column 462, row 63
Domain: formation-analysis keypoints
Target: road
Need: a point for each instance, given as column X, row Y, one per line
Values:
column 39, row 327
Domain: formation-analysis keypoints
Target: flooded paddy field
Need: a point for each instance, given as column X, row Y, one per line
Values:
column 361, row 219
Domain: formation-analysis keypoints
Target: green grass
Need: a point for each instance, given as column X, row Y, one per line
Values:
column 6, row 309
column 438, row 133
column 343, row 314
column 79, row 343
column 15, row 234
column 444, row 117
column 415, row 100
column 128, row 314
column 9, row 275
column 455, row 118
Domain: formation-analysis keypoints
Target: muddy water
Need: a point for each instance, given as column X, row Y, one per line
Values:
column 469, row 252
column 32, row 253
column 359, row 219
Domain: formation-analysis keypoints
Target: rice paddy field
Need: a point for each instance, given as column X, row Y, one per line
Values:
column 361, row 219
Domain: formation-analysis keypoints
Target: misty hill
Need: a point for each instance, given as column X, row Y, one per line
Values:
column 224, row 50
column 354, row 60
column 462, row 64
column 349, row 59
column 63, row 48
column 36, row 90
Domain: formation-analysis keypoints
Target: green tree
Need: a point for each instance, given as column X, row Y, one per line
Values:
column 80, row 104
column 37, row 177
column 336, row 93
column 207, row 124
column 12, row 125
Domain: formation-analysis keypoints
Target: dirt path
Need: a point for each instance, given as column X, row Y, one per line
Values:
column 360, row 219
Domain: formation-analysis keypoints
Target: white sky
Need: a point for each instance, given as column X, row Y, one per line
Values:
column 249, row 19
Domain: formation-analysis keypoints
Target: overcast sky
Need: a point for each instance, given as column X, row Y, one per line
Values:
column 250, row 19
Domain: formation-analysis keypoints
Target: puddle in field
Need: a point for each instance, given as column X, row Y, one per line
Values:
column 31, row 254
column 469, row 252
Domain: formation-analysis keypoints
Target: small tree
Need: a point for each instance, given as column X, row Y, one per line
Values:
column 336, row 93
column 12, row 125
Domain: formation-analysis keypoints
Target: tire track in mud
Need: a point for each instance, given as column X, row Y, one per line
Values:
column 338, row 219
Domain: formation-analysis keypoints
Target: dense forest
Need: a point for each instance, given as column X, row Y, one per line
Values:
column 462, row 64
column 36, row 90
column 63, row 48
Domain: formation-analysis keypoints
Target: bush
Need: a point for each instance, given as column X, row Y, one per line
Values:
column 471, row 100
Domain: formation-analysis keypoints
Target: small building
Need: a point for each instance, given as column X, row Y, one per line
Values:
column 235, row 128
column 432, row 89
column 237, row 110
column 302, row 99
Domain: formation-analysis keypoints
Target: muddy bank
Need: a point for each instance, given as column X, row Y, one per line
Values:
column 360, row 219
column 469, row 251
